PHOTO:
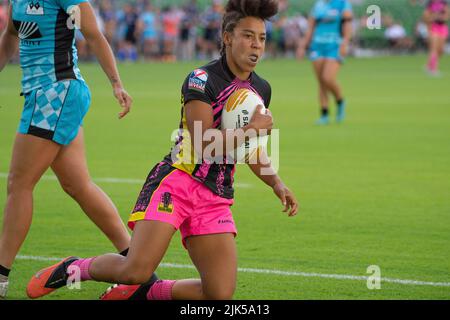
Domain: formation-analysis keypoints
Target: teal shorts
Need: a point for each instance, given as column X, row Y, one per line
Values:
column 56, row 111
column 325, row 51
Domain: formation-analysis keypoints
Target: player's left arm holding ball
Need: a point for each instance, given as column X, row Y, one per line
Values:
column 83, row 14
column 263, row 170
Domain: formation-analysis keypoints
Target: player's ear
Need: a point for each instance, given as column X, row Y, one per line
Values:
column 227, row 38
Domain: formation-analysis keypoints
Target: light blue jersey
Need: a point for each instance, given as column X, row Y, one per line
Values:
column 47, row 41
column 328, row 16
column 149, row 20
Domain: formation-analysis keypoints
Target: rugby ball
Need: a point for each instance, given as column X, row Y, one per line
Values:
column 237, row 113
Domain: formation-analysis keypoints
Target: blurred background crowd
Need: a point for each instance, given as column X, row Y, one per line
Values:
column 170, row 30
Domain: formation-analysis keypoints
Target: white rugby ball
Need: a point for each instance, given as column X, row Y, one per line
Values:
column 237, row 113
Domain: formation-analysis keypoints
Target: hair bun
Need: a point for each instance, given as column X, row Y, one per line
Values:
column 264, row 9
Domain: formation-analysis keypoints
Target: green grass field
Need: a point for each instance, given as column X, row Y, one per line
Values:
column 373, row 191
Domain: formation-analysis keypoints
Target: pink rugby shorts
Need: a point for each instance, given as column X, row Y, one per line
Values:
column 173, row 196
column 441, row 30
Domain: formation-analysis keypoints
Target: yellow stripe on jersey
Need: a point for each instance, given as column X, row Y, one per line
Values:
column 186, row 157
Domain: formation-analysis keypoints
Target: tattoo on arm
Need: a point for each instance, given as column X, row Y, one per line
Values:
column 114, row 79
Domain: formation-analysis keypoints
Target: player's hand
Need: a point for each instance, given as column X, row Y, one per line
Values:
column 343, row 50
column 124, row 100
column 287, row 198
column 262, row 120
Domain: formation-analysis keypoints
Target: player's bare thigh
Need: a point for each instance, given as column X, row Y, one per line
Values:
column 215, row 258
column 31, row 157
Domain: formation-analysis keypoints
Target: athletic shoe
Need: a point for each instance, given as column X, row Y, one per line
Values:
column 434, row 73
column 129, row 292
column 3, row 289
column 49, row 279
column 340, row 114
column 323, row 121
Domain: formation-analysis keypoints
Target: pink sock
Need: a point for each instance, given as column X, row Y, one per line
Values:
column 84, row 265
column 433, row 62
column 161, row 290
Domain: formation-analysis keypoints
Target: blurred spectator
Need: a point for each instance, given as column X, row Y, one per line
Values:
column 148, row 29
column 128, row 41
column 270, row 43
column 212, row 22
column 421, row 35
column 171, row 18
column 293, row 29
column 188, row 30
column 108, row 15
column 396, row 35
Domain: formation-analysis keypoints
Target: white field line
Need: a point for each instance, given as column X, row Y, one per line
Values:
column 282, row 273
column 116, row 180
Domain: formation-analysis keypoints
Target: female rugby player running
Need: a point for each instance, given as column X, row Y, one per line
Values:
column 50, row 133
column 194, row 198
column 327, row 40
column 436, row 16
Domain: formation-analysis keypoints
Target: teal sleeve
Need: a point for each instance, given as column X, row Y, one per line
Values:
column 347, row 6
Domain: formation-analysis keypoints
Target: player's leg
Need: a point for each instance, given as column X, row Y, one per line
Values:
column 149, row 242
column 433, row 56
column 329, row 75
column 71, row 169
column 329, row 78
column 215, row 258
column 31, row 157
column 318, row 66
column 148, row 245
column 441, row 47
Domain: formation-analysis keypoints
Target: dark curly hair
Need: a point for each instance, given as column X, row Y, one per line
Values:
column 236, row 10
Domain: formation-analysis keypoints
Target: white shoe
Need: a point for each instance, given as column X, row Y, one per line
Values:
column 3, row 289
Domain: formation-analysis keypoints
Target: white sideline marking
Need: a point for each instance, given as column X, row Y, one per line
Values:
column 117, row 180
column 281, row 273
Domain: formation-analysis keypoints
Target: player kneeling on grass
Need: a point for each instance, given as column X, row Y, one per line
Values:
column 193, row 197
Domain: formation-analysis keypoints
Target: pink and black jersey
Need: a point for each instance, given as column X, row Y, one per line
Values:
column 437, row 7
column 212, row 84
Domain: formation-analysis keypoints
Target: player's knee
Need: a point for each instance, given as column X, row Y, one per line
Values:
column 135, row 275
column 73, row 189
column 134, row 278
column 223, row 293
column 327, row 81
column 18, row 183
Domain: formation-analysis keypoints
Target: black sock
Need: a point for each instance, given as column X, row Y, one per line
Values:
column 4, row 271
column 338, row 102
column 324, row 111
column 141, row 292
column 124, row 252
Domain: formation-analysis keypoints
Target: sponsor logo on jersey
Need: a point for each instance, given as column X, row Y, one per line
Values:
column 333, row 13
column 27, row 30
column 198, row 79
column 223, row 221
column 35, row 7
column 165, row 203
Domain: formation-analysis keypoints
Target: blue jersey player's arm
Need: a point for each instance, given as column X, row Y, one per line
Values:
column 347, row 30
column 9, row 42
column 85, row 17
column 304, row 42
